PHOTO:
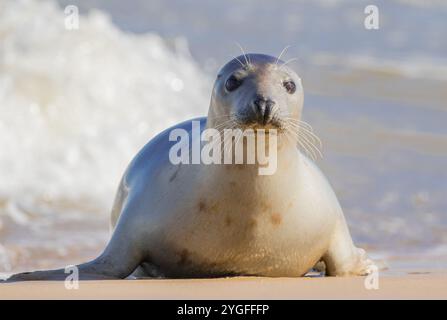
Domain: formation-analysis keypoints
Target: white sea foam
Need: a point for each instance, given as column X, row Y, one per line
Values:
column 75, row 106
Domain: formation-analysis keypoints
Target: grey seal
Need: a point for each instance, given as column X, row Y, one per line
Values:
column 197, row 220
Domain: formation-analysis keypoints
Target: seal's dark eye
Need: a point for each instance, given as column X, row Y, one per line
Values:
column 232, row 83
column 290, row 86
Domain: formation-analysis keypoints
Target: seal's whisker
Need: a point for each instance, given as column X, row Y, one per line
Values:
column 300, row 122
column 223, row 116
column 306, row 139
column 220, row 128
column 311, row 145
column 306, row 143
column 228, row 142
column 222, row 124
column 306, row 128
column 222, row 132
column 309, row 150
column 305, row 125
column 312, row 136
column 287, row 62
column 249, row 59
column 230, row 120
column 305, row 148
column 280, row 55
column 290, row 137
column 243, row 65
column 243, row 52
column 224, row 142
column 215, row 142
column 239, row 136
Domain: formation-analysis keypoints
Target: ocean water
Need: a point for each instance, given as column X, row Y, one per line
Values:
column 75, row 106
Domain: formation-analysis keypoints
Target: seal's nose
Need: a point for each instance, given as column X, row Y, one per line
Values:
column 263, row 108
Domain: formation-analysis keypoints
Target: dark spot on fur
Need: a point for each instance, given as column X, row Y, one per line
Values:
column 251, row 223
column 276, row 219
column 228, row 221
column 174, row 175
column 266, row 206
column 202, row 205
column 184, row 258
column 207, row 208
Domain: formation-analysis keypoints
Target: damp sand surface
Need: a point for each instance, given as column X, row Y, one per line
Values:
column 419, row 285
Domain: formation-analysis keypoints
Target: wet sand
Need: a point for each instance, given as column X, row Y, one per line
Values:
column 412, row 286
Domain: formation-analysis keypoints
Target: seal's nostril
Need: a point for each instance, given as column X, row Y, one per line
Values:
column 267, row 113
column 264, row 109
column 269, row 103
column 260, row 104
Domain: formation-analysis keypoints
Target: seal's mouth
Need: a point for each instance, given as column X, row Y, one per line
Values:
column 269, row 126
column 273, row 124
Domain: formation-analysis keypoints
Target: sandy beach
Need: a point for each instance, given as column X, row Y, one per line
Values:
column 412, row 286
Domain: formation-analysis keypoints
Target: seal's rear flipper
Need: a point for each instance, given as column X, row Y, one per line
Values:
column 55, row 275
column 118, row 261
column 102, row 268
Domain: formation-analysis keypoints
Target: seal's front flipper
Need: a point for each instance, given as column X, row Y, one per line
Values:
column 356, row 264
column 342, row 257
column 320, row 266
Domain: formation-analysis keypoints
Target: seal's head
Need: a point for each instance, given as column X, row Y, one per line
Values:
column 256, row 91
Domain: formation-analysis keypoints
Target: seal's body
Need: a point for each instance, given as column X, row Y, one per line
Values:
column 197, row 220
column 231, row 220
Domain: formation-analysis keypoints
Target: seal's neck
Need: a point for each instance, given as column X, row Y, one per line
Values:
column 281, row 161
